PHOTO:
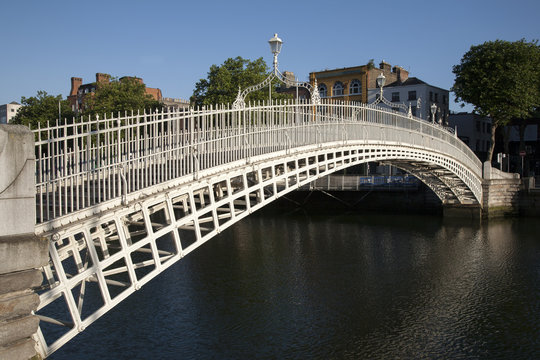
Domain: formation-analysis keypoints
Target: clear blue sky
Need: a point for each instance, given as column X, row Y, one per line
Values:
column 172, row 44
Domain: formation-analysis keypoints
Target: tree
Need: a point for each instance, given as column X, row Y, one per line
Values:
column 501, row 79
column 42, row 108
column 117, row 96
column 222, row 83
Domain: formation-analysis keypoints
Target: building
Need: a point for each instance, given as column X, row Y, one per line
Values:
column 522, row 138
column 296, row 91
column 177, row 104
column 474, row 130
column 417, row 94
column 79, row 90
column 513, row 152
column 8, row 112
column 359, row 83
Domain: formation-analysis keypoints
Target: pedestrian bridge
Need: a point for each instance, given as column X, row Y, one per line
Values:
column 123, row 198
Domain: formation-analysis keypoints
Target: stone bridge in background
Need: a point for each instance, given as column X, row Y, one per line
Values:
column 93, row 210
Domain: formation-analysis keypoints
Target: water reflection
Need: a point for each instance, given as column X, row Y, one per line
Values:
column 344, row 286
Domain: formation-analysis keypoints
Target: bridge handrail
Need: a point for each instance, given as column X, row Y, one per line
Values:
column 81, row 164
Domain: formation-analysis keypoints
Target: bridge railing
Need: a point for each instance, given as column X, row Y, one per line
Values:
column 92, row 161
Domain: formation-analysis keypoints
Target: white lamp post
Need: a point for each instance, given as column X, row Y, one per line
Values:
column 275, row 47
column 381, row 80
column 433, row 111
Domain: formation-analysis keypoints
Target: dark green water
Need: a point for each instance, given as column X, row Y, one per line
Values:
column 343, row 286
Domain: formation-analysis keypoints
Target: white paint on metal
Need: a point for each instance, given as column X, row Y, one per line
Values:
column 123, row 199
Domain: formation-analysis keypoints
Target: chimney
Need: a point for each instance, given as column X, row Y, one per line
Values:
column 100, row 77
column 384, row 66
column 402, row 74
column 75, row 83
column 132, row 78
column 289, row 75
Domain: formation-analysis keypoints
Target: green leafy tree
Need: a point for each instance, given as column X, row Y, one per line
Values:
column 118, row 96
column 501, row 79
column 41, row 109
column 222, row 83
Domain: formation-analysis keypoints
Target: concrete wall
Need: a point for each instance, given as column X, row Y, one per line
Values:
column 22, row 253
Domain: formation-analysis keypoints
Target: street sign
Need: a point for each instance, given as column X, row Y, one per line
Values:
column 522, row 153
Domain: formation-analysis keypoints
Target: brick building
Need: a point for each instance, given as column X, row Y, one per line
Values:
column 79, row 90
column 359, row 83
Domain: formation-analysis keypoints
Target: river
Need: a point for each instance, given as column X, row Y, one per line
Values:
column 340, row 286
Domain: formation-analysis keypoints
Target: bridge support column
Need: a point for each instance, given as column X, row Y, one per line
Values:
column 22, row 253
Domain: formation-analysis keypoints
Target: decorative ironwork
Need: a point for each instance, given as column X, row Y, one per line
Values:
column 118, row 213
column 275, row 45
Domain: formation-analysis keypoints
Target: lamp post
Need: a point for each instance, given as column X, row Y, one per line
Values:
column 381, row 80
column 275, row 48
column 433, row 111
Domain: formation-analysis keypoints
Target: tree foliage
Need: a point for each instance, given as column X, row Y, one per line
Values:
column 222, row 83
column 118, row 96
column 501, row 79
column 41, row 109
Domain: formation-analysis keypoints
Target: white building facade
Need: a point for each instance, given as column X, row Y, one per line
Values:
column 8, row 112
column 417, row 94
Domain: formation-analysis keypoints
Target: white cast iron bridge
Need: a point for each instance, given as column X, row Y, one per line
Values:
column 121, row 199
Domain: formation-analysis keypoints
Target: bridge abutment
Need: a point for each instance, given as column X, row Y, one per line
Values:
column 500, row 193
column 22, row 253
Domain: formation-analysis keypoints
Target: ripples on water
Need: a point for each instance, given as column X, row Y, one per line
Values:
column 339, row 287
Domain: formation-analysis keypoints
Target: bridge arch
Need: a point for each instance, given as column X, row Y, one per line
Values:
column 167, row 183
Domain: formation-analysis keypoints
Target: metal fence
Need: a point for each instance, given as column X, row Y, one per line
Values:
column 92, row 161
column 364, row 182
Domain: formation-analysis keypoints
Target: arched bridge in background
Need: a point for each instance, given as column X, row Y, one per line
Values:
column 121, row 199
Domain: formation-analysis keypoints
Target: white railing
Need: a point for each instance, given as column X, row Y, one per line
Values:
column 85, row 163
column 363, row 182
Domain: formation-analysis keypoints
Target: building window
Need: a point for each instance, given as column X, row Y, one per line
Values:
column 395, row 96
column 322, row 90
column 478, row 126
column 444, row 99
column 412, row 95
column 337, row 90
column 356, row 87
column 477, row 145
column 431, row 96
column 436, row 97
